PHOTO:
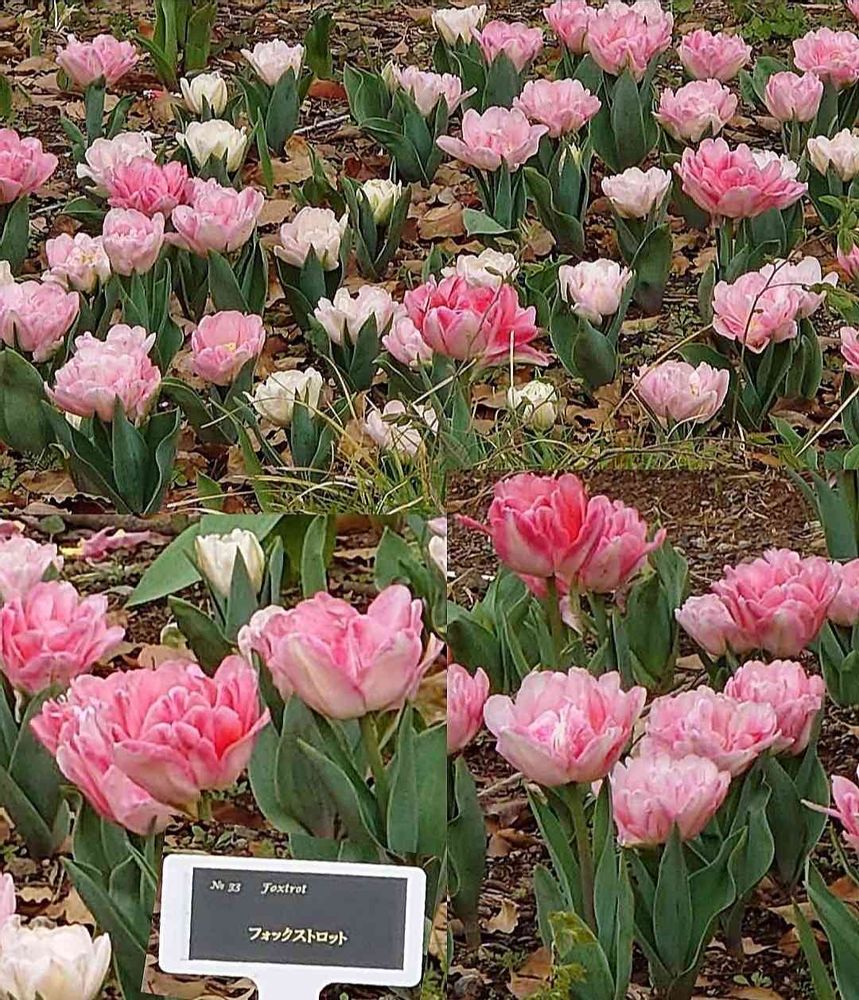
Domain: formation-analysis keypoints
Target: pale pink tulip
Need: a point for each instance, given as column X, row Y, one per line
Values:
column 563, row 106
column 853, row 7
column 850, row 349
column 594, row 289
column 313, row 229
column 466, row 696
column 105, row 155
column 343, row 318
column 404, row 341
column 215, row 217
column 344, row 664
column 623, row 36
column 499, row 136
column 844, row 610
column 7, row 898
column 104, row 58
column 24, row 166
column 678, row 393
column 100, row 372
column 756, row 312
column 132, row 240
column 273, row 59
column 539, row 525
column 795, row 697
column 849, row 261
column 804, row 277
column 51, row 634
column 635, row 193
column 708, row 56
column 78, row 263
column 569, row 20
column 146, row 186
column 427, row 89
column 709, row 623
column 392, row 429
column 730, row 733
column 515, row 40
column 793, row 98
column 653, row 793
column 35, row 316
column 840, row 153
column 102, row 543
column 565, row 727
column 831, row 55
column 738, row 183
column 23, row 564
column 489, row 268
column 224, row 343
column 463, row 321
column 621, row 547
column 845, row 795
column 699, row 108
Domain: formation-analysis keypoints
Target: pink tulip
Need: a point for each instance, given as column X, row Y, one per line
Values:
column 844, row 610
column 100, row 372
column 595, row 288
column 738, row 183
column 517, row 41
column 146, row 186
column 78, row 262
column 344, row 664
column 215, row 217
column 464, row 321
column 849, row 261
column 652, row 794
column 850, row 349
column 565, row 727
column 563, row 106
column 803, row 277
column 102, row 543
column 105, row 57
column 500, row 136
column 132, row 240
column 51, row 634
column 23, row 564
column 404, row 341
column 224, row 343
column 105, row 155
column 35, row 316
column 845, row 794
column 853, row 7
column 699, row 108
column 24, row 166
column 777, row 603
column 427, row 89
column 621, row 547
column 7, row 898
column 466, row 696
column 730, row 733
column 569, row 20
column 678, row 393
column 313, row 229
column 706, row 56
column 795, row 697
column 539, row 525
column 635, row 193
column 622, row 36
column 831, row 55
column 793, row 98
column 755, row 311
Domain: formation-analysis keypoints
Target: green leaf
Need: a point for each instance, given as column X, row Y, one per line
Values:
column 402, row 822
column 223, row 285
column 314, row 576
column 466, row 842
column 480, row 224
column 842, row 929
column 24, row 425
column 672, row 907
column 208, row 643
column 15, row 236
column 594, row 357
column 130, row 460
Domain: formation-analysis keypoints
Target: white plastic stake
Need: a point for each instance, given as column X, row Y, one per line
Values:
column 299, row 987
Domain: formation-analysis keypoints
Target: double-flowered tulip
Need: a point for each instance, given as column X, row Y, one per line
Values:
column 104, row 58
column 457, row 24
column 104, row 155
column 224, row 343
column 565, row 727
column 594, row 288
column 709, row 56
column 214, row 217
column 427, row 89
column 563, row 106
column 50, row 635
column 628, row 36
column 313, row 229
column 845, row 795
column 793, row 98
column 498, row 137
column 345, row 316
column 35, row 316
column 24, row 166
column 273, row 59
column 569, row 20
column 466, row 697
column 132, row 240
column 205, row 90
column 23, row 563
column 145, row 185
column 141, row 744
column 515, row 40
column 844, row 610
column 654, row 793
column 78, row 263
column 340, row 662
column 840, row 153
column 677, row 392
column 275, row 398
column 215, row 139
column 756, row 310
column 697, row 109
column 635, row 193
column 831, row 55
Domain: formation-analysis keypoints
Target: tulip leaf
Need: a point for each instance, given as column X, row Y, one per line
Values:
column 466, row 844
column 402, row 823
column 314, row 576
column 672, row 907
column 823, row 989
column 24, row 425
column 431, row 779
column 842, row 929
column 206, row 640
column 574, row 944
column 224, row 286
column 15, row 235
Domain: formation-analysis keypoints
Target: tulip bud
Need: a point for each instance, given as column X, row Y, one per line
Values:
column 390, row 76
column 214, row 139
column 382, row 196
column 275, row 398
column 216, row 557
column 210, row 88
column 455, row 24
column 534, row 402
column 52, row 963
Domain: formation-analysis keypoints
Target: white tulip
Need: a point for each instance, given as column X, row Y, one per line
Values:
column 51, row 963
column 6, row 276
column 316, row 229
column 382, row 196
column 393, row 431
column 270, row 60
column 489, row 269
column 438, row 553
column 841, row 152
column 456, row 25
column 275, row 398
column 346, row 315
column 215, row 138
column 210, row 88
column 7, row 898
column 534, row 403
column 216, row 556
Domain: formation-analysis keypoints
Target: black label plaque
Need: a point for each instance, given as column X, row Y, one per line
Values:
column 292, row 918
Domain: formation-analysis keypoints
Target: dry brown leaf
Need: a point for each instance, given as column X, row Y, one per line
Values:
column 442, row 221
column 169, row 986
column 532, row 976
column 754, row 993
column 506, row 919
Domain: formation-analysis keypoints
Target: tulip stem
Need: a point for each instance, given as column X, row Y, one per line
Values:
column 370, row 739
column 556, row 622
column 583, row 846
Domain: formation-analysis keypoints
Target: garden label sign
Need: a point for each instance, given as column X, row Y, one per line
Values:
column 292, row 927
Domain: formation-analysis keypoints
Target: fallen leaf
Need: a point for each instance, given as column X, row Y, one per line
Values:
column 532, row 976
column 506, row 919
column 441, row 221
